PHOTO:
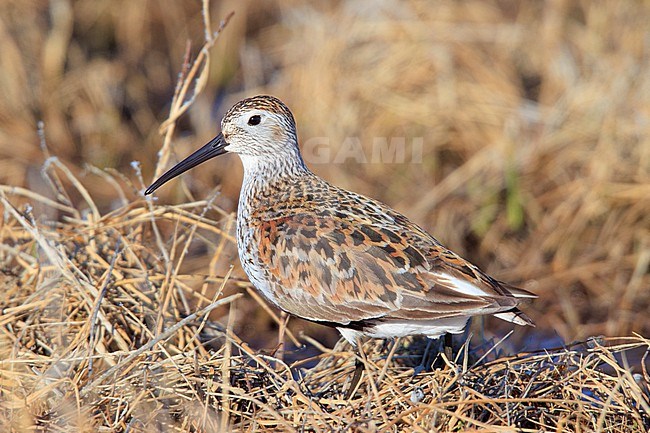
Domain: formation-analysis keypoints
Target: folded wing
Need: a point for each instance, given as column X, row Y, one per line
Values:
column 355, row 270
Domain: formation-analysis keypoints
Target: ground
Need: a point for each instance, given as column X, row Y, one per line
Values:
column 516, row 132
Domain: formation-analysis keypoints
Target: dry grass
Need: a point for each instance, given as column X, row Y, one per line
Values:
column 536, row 165
column 98, row 333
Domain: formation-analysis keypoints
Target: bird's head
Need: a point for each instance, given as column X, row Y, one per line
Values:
column 258, row 126
column 258, row 129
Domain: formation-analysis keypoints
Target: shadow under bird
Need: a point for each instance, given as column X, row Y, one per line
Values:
column 335, row 257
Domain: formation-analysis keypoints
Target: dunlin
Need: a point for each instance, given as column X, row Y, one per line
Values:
column 336, row 257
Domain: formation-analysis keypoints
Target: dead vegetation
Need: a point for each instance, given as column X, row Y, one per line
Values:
column 120, row 314
column 100, row 334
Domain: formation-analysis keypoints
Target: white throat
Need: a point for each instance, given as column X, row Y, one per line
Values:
column 273, row 166
column 252, row 164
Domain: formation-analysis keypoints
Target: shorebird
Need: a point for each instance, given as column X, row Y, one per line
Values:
column 335, row 257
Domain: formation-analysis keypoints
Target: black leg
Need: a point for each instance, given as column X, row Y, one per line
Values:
column 356, row 377
column 423, row 363
column 358, row 369
column 449, row 349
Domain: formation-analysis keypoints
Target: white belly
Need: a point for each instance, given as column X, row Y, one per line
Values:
column 404, row 328
column 430, row 328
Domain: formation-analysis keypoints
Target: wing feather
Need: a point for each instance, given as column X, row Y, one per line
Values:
column 343, row 267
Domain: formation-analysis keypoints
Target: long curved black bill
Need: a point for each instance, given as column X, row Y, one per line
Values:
column 215, row 147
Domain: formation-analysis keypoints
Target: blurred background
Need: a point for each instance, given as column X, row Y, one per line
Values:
column 532, row 120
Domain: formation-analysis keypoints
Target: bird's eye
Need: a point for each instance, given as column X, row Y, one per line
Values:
column 254, row 120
